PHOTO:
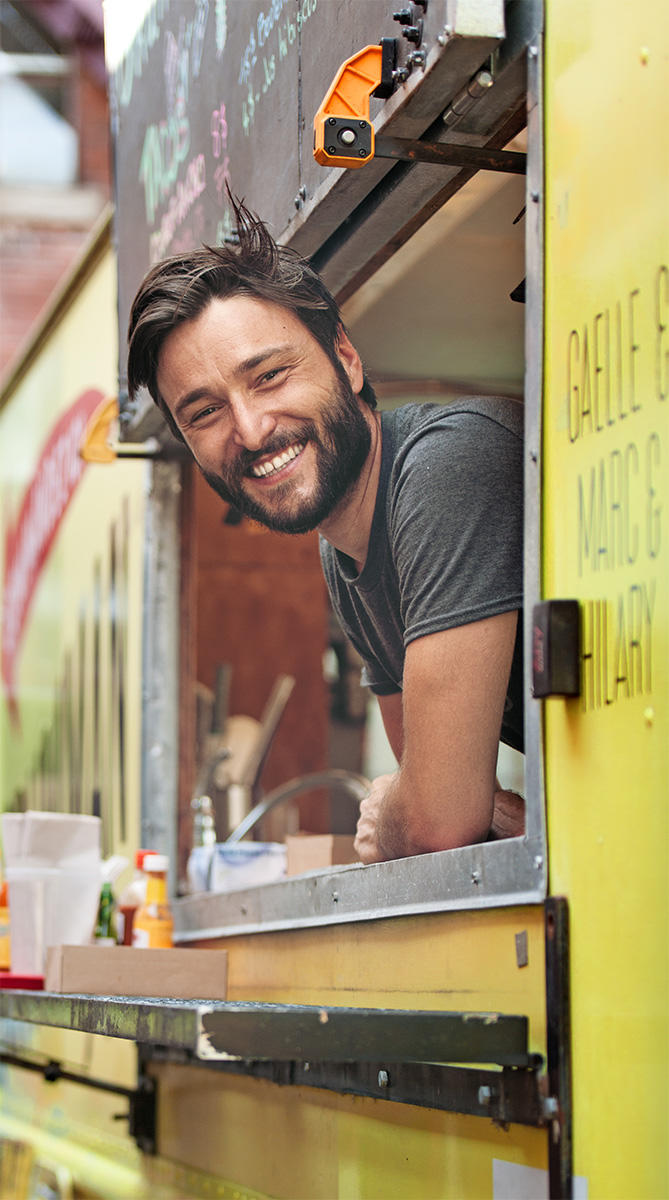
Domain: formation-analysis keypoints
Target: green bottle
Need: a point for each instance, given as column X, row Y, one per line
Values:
column 105, row 928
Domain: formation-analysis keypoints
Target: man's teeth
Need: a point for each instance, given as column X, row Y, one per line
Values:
column 275, row 464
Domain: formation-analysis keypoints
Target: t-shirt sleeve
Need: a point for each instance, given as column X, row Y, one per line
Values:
column 457, row 524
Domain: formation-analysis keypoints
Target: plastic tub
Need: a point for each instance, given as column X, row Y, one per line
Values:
column 240, row 865
column 49, row 906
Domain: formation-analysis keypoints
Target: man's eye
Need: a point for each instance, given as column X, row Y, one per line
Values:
column 201, row 414
column 270, row 376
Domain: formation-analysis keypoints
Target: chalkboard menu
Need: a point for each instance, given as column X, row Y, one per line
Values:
column 212, row 92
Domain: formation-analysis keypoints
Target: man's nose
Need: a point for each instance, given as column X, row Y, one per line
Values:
column 251, row 424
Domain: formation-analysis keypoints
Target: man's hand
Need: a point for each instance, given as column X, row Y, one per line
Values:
column 508, row 818
column 366, row 839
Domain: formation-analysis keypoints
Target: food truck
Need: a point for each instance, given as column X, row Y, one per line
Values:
column 484, row 187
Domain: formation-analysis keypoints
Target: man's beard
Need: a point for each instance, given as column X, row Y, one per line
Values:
column 341, row 451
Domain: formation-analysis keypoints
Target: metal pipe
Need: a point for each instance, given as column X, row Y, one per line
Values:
column 356, row 786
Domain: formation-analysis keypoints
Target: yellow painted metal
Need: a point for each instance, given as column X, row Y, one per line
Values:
column 606, row 531
column 82, row 637
column 307, row 1144
column 81, row 644
column 102, row 1167
column 440, row 961
column 302, row 1142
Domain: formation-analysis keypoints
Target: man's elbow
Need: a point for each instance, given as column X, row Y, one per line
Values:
column 447, row 827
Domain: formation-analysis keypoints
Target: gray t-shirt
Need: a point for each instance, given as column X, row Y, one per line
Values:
column 446, row 543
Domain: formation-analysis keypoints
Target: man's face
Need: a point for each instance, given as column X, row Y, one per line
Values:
column 275, row 429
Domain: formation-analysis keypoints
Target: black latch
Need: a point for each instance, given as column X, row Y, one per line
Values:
column 556, row 649
column 388, row 82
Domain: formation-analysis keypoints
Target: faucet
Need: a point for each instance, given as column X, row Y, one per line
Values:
column 348, row 781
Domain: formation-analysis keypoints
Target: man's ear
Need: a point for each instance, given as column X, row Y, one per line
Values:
column 350, row 360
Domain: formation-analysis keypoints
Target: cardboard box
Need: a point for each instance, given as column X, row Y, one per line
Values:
column 128, row 971
column 314, row 851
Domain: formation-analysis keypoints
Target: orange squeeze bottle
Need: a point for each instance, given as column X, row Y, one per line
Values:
column 153, row 925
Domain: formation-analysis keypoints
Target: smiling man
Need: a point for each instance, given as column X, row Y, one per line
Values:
column 419, row 513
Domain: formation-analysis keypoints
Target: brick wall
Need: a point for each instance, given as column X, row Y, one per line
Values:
column 42, row 231
column 32, row 262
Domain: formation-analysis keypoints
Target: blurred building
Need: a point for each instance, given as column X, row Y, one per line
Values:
column 55, row 162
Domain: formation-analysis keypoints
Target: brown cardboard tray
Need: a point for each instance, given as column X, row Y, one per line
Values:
column 315, row 851
column 179, row 974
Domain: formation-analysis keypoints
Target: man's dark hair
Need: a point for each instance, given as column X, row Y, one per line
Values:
column 181, row 287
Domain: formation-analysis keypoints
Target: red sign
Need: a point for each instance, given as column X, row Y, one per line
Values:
column 29, row 540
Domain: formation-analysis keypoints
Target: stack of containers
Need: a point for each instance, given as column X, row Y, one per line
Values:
column 54, row 874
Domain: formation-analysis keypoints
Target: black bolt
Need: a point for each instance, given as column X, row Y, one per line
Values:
column 362, row 153
column 404, row 16
column 413, row 33
column 332, row 149
column 362, row 124
column 332, row 121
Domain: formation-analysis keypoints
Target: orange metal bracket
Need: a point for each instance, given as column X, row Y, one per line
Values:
column 343, row 133
column 96, row 444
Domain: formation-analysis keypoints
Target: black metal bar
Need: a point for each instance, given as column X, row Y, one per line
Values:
column 510, row 1096
column 304, row 1033
column 558, row 1049
column 507, row 1096
column 450, row 154
column 141, row 1115
column 53, row 1072
column 285, row 1031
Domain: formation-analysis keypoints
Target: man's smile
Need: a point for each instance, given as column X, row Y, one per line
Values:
column 276, row 462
